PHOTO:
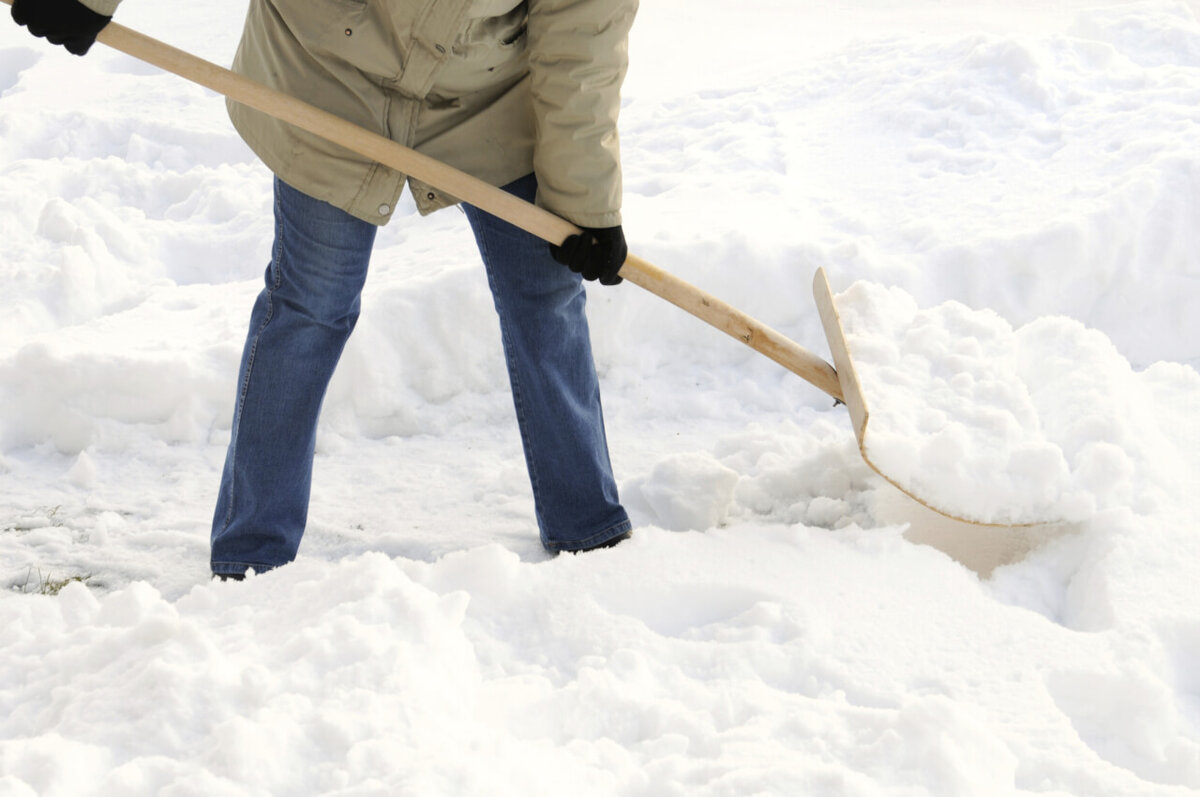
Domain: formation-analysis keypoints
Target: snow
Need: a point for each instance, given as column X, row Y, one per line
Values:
column 1011, row 189
column 997, row 425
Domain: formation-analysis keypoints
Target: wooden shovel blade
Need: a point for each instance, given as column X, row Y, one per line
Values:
column 852, row 393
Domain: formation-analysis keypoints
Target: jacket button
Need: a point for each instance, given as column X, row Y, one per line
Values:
column 385, row 209
column 431, row 196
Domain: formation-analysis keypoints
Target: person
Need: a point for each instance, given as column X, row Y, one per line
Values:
column 523, row 94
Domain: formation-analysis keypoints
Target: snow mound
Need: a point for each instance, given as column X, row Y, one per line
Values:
column 1043, row 423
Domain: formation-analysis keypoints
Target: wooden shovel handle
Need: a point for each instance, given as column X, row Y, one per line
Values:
column 531, row 218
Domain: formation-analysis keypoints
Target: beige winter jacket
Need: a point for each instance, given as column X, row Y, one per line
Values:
column 496, row 88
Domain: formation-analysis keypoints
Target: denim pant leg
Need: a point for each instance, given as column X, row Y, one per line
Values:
column 298, row 327
column 554, row 385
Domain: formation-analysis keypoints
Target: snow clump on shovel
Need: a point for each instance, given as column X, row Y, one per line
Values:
column 1045, row 423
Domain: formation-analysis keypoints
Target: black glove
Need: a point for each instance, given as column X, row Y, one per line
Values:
column 66, row 22
column 596, row 253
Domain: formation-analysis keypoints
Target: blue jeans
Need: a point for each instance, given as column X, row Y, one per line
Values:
column 298, row 327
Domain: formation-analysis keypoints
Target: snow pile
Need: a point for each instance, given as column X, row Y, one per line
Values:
column 760, row 668
column 1046, row 423
column 1022, row 176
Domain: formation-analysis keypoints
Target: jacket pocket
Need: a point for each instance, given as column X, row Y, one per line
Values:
column 488, row 52
column 352, row 32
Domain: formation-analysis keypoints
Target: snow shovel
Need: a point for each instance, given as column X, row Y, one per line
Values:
column 840, row 383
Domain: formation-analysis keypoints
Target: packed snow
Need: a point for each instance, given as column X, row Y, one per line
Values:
column 1010, row 189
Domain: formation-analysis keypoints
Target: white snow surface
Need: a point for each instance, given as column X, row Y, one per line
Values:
column 1011, row 190
column 999, row 426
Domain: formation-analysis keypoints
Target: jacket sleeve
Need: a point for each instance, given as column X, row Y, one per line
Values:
column 578, row 55
column 103, row 7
